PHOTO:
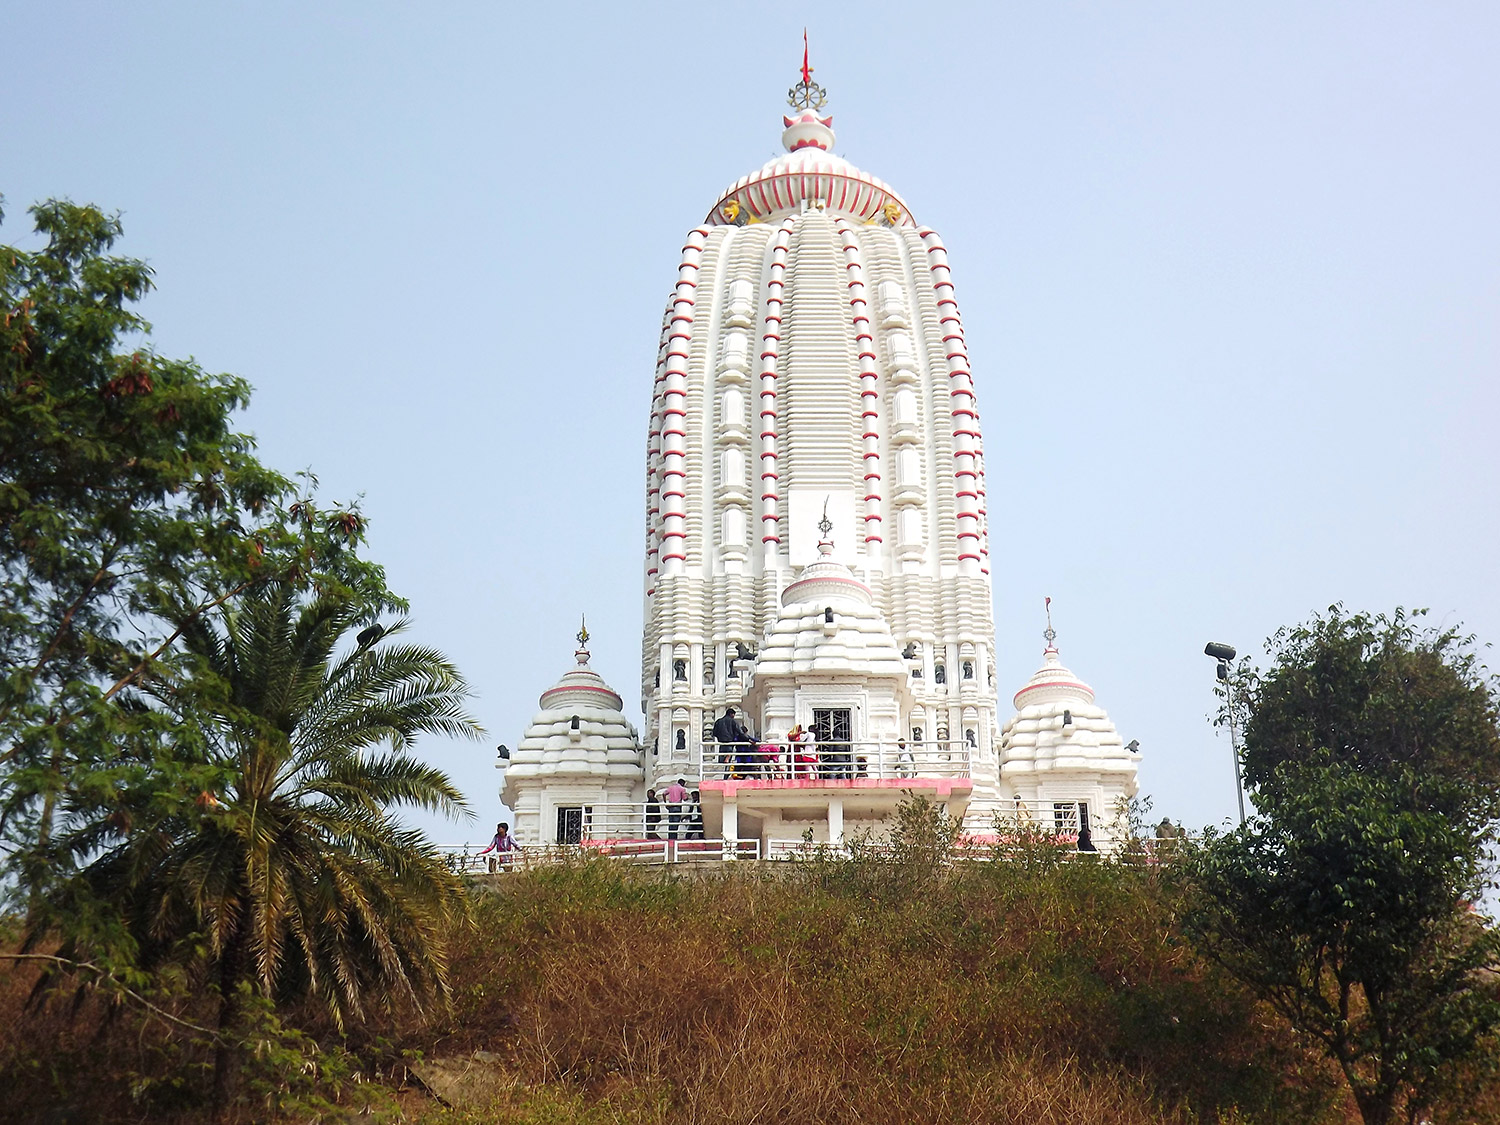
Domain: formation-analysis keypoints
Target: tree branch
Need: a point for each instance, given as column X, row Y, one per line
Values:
column 105, row 974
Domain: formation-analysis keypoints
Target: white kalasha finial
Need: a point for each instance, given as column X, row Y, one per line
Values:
column 582, row 651
column 1050, row 633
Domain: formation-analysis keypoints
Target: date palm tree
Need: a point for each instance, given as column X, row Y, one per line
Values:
column 279, row 864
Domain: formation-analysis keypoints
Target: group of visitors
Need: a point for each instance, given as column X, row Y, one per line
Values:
column 684, row 812
column 743, row 756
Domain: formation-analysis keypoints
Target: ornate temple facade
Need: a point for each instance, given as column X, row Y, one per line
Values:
column 816, row 548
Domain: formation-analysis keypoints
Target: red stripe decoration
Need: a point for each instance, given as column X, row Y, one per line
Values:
column 966, row 444
column 769, row 360
column 654, row 458
column 868, row 377
column 674, row 404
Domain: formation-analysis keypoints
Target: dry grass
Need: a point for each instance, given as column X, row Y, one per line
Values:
column 864, row 992
column 883, row 990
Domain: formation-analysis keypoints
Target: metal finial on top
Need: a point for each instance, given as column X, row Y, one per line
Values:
column 581, row 653
column 825, row 525
column 1050, row 633
column 807, row 94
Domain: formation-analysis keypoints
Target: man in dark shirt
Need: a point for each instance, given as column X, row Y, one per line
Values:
column 734, row 742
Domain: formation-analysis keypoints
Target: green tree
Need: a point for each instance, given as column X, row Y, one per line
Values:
column 1346, row 902
column 287, row 872
column 129, row 507
column 1382, row 695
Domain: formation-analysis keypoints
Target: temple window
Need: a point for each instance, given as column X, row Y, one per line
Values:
column 968, row 669
column 680, row 742
column 679, row 670
column 570, row 822
column 940, row 673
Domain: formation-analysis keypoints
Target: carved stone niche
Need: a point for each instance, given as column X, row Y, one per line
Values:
column 899, row 352
column 904, row 427
column 893, row 311
column 739, row 303
column 734, row 355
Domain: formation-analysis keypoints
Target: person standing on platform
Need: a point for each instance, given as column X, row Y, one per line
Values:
column 653, row 815
column 905, row 763
column 503, row 845
column 675, row 794
column 734, row 742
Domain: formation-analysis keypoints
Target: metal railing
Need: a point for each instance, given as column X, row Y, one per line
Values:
column 996, row 841
column 464, row 858
column 779, row 760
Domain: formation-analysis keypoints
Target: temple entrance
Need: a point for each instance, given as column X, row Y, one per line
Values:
column 831, row 729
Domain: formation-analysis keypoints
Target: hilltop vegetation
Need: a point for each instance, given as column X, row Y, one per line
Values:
column 886, row 988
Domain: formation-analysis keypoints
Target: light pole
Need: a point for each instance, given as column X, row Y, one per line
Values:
column 1223, row 654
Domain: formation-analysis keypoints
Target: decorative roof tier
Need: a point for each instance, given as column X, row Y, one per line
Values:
column 580, row 731
column 809, row 174
column 1058, row 727
column 829, row 624
column 1053, row 683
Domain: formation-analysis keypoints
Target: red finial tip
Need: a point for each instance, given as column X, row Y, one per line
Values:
column 806, row 70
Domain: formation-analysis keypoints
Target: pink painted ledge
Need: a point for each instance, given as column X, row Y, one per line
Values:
column 942, row 786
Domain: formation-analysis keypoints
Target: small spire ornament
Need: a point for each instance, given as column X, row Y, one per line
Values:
column 1050, row 633
column 582, row 651
column 807, row 94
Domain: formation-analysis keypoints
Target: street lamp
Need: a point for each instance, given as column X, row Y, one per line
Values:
column 1223, row 654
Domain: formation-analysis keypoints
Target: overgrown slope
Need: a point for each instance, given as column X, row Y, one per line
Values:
column 888, row 988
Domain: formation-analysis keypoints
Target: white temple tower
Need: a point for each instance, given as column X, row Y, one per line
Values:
column 817, row 555
column 812, row 360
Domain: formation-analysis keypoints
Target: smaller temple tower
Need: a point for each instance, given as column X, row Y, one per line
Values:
column 579, row 764
column 1061, row 757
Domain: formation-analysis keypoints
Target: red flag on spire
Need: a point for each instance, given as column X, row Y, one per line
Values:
column 806, row 70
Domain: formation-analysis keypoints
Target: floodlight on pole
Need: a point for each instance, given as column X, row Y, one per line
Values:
column 1222, row 655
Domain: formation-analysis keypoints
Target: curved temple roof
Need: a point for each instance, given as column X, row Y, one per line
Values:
column 808, row 174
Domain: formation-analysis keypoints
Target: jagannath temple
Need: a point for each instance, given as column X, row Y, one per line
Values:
column 817, row 556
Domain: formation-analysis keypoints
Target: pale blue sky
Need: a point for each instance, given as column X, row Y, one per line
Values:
column 1229, row 274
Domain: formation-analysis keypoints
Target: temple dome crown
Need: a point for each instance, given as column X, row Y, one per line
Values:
column 808, row 174
column 580, row 732
column 829, row 623
column 1053, row 682
column 581, row 686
